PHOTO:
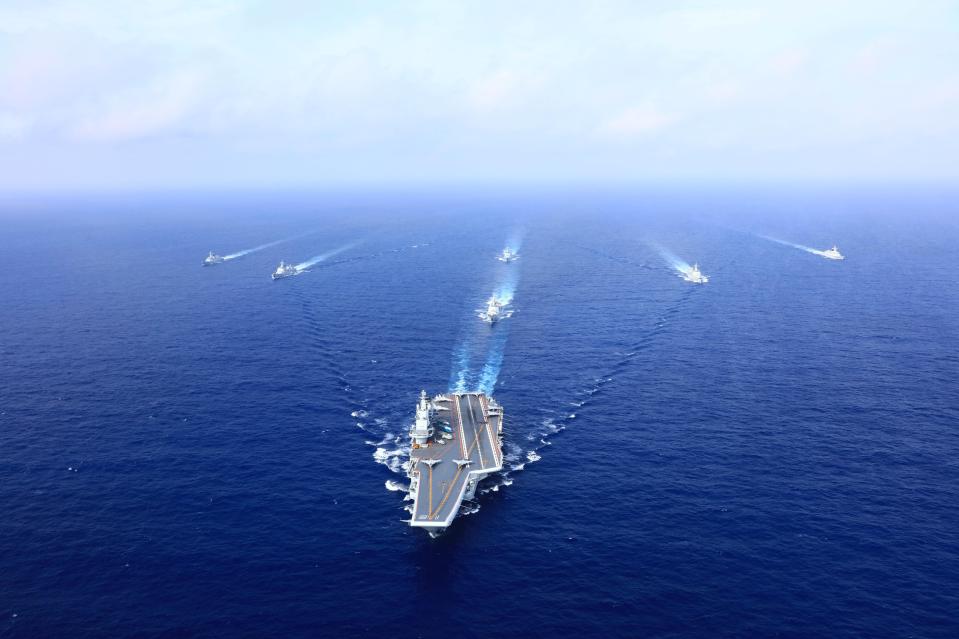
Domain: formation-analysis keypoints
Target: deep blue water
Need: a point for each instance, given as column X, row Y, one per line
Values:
column 190, row 451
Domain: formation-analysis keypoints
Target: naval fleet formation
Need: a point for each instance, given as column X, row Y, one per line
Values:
column 456, row 439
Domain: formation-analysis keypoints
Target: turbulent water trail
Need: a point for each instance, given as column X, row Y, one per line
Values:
column 505, row 292
column 233, row 256
column 316, row 259
column 676, row 263
column 459, row 377
column 515, row 241
column 494, row 361
column 486, row 341
column 801, row 247
column 325, row 258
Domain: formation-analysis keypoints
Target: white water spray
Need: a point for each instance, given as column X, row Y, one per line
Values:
column 316, row 259
column 491, row 339
column 679, row 265
column 491, row 369
column 801, row 247
column 515, row 240
column 497, row 340
column 459, row 381
column 505, row 292
column 233, row 256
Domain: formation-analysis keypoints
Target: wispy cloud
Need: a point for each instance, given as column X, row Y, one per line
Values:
column 455, row 90
column 498, row 90
column 637, row 121
column 13, row 126
column 158, row 108
column 789, row 61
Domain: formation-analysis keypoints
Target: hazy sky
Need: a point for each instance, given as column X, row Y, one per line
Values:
column 233, row 92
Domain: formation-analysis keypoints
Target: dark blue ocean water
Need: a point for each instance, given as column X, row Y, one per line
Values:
column 190, row 451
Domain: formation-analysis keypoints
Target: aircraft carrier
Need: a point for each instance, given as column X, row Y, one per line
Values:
column 456, row 441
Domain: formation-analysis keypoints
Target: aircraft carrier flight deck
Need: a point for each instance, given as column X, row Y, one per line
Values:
column 456, row 441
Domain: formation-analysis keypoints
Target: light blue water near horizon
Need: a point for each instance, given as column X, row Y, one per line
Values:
column 205, row 452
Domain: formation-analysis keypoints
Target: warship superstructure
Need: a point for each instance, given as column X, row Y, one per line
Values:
column 455, row 442
column 492, row 312
column 212, row 259
column 508, row 255
column 695, row 276
column 284, row 270
column 833, row 254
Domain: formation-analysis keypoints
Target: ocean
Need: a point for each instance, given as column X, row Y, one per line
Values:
column 204, row 452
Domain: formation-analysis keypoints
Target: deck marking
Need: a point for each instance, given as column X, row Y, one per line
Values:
column 462, row 475
column 479, row 448
column 459, row 421
column 447, row 495
column 489, row 434
column 493, row 440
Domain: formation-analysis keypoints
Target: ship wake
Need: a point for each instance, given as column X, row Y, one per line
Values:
column 233, row 256
column 316, row 259
column 530, row 448
column 681, row 266
column 485, row 344
column 515, row 241
column 801, row 247
column 389, row 442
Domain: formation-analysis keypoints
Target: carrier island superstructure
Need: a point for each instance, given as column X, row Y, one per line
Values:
column 455, row 442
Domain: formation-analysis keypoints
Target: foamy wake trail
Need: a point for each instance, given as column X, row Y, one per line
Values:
column 515, row 240
column 490, row 372
column 681, row 266
column 302, row 266
column 393, row 455
column 459, row 379
column 395, row 486
column 463, row 377
column 494, row 362
column 493, row 484
column 485, row 380
column 504, row 292
column 808, row 249
column 390, row 449
column 233, row 256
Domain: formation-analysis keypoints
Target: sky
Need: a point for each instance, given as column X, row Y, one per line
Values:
column 228, row 93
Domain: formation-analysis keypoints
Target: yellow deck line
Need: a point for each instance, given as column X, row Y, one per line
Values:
column 479, row 449
column 459, row 422
column 447, row 495
column 489, row 434
column 467, row 453
column 431, row 486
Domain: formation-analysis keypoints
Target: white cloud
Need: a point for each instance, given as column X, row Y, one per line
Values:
column 638, row 121
column 488, row 83
column 496, row 91
column 873, row 55
column 151, row 110
column 789, row 62
column 13, row 126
